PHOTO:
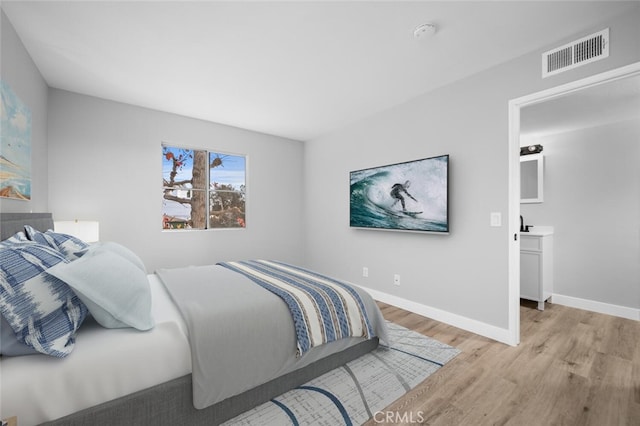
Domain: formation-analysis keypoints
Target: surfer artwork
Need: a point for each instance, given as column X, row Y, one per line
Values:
column 405, row 196
column 397, row 191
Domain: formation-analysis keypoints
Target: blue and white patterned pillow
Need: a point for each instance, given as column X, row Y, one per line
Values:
column 43, row 311
column 9, row 344
column 15, row 238
column 71, row 247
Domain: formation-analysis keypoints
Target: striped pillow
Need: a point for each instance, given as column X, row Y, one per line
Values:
column 9, row 345
column 43, row 311
column 71, row 247
column 18, row 237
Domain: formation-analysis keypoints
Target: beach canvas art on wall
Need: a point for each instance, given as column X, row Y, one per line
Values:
column 15, row 146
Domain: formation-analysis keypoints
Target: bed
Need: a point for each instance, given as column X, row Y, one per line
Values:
column 129, row 376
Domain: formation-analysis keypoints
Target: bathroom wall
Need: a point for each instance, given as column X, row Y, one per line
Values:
column 591, row 198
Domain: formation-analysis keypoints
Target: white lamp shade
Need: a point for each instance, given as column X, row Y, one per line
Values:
column 86, row 230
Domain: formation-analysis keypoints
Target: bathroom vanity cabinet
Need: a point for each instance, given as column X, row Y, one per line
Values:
column 536, row 265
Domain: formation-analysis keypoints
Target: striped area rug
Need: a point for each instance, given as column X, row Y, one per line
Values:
column 355, row 392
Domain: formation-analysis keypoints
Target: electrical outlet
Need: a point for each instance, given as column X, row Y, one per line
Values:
column 365, row 271
column 396, row 279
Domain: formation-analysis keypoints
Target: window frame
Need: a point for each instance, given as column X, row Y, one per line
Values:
column 209, row 190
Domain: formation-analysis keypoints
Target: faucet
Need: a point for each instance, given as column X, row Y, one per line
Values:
column 522, row 227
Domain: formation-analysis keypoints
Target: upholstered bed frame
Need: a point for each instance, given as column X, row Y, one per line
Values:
column 171, row 403
column 10, row 223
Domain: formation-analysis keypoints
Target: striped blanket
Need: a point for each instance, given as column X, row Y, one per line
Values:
column 323, row 309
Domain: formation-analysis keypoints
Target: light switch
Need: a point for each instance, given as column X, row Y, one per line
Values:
column 496, row 219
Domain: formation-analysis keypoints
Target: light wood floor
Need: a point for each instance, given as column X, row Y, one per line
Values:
column 572, row 367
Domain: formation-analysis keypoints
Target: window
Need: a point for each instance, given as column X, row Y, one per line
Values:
column 195, row 182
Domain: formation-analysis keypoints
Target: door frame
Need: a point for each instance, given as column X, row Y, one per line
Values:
column 515, row 106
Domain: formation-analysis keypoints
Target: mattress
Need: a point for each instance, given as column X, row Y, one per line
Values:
column 121, row 361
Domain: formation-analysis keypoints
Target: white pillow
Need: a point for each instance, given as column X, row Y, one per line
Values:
column 124, row 252
column 115, row 289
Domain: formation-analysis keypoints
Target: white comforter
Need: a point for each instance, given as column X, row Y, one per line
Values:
column 122, row 361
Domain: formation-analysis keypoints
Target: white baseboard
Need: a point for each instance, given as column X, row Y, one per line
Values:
column 600, row 307
column 474, row 326
column 490, row 331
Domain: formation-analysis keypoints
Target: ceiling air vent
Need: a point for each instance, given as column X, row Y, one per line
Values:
column 575, row 54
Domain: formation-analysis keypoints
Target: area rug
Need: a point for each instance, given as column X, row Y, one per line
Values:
column 359, row 390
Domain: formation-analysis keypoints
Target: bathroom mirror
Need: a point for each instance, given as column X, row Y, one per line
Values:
column 531, row 178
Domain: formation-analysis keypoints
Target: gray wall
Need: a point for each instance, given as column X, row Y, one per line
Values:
column 99, row 160
column 591, row 197
column 465, row 273
column 21, row 74
column 105, row 165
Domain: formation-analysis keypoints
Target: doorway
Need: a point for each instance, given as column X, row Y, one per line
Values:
column 515, row 107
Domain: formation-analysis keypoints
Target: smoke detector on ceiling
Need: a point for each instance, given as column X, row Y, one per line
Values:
column 424, row 30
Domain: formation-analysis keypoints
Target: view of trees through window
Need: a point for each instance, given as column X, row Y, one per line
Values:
column 202, row 189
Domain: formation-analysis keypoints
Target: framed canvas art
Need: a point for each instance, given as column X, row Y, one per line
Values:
column 409, row 196
column 15, row 146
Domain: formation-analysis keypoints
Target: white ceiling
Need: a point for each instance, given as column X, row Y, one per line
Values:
column 294, row 69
